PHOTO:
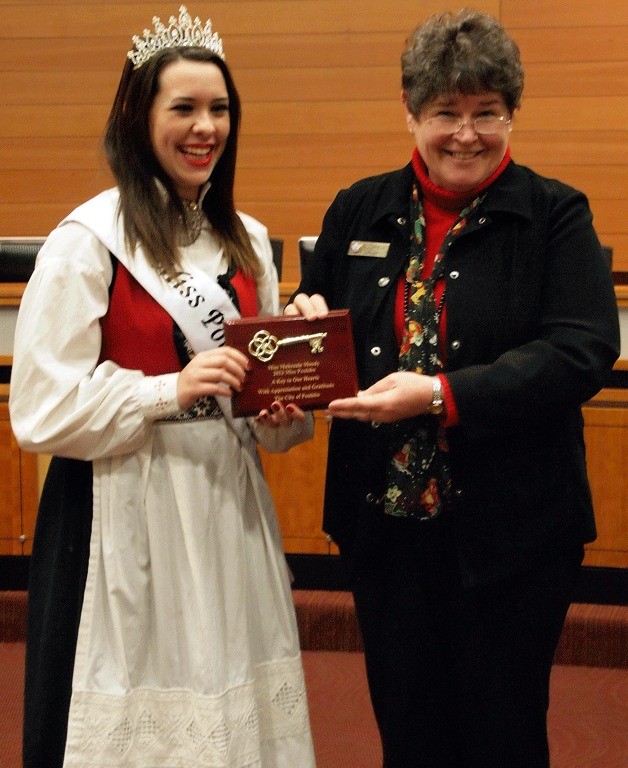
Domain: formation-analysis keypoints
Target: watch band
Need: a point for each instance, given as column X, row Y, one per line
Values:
column 438, row 400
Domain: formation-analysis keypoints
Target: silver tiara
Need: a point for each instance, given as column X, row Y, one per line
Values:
column 183, row 33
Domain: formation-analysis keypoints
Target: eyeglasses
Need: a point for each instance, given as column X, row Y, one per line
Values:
column 450, row 124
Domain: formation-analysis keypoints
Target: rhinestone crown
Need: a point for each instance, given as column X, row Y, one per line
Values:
column 181, row 33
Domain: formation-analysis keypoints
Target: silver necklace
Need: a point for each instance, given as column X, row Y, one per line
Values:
column 191, row 224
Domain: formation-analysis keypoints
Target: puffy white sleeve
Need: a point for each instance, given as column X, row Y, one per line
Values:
column 62, row 400
column 272, row 439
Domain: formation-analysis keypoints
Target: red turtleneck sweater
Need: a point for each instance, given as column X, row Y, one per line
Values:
column 441, row 209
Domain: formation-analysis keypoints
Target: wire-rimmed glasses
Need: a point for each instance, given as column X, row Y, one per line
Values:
column 484, row 125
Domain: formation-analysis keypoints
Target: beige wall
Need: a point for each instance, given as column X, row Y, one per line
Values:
column 319, row 81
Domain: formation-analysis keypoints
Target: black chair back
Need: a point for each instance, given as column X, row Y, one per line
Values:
column 306, row 248
column 277, row 245
column 17, row 258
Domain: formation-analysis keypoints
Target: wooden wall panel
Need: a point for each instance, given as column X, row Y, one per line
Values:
column 576, row 78
column 10, row 496
column 573, row 113
column 620, row 255
column 244, row 51
column 558, row 13
column 577, row 43
column 289, row 51
column 606, row 435
column 270, row 17
column 44, row 153
column 25, row 186
column 55, row 88
column 570, row 147
column 19, row 491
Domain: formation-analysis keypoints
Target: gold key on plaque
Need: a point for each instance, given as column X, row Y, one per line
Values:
column 264, row 345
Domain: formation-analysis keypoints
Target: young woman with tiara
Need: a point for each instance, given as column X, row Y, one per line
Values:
column 161, row 630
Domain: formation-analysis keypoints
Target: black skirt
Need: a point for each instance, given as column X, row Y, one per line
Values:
column 58, row 570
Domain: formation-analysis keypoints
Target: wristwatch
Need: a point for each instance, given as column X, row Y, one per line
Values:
column 438, row 401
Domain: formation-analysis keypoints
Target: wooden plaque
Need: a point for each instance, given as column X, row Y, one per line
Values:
column 308, row 363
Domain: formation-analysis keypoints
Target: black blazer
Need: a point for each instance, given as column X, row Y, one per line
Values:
column 532, row 332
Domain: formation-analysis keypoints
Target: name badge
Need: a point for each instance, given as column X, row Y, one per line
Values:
column 372, row 250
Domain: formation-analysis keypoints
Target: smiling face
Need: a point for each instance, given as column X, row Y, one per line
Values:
column 459, row 162
column 189, row 123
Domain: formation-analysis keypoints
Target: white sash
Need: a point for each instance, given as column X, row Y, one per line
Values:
column 195, row 301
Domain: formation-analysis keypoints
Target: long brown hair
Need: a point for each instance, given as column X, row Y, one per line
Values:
column 150, row 219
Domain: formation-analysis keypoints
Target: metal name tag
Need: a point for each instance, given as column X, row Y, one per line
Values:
column 365, row 248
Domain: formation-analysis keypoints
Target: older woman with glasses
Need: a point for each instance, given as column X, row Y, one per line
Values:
column 484, row 316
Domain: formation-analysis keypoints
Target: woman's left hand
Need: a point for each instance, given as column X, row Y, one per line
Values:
column 279, row 415
column 397, row 396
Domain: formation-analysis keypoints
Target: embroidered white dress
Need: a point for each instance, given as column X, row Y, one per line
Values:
column 187, row 653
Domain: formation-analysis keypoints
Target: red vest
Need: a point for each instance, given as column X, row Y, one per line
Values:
column 138, row 333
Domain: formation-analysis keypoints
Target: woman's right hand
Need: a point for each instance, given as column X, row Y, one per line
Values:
column 213, row 372
column 311, row 307
column 400, row 395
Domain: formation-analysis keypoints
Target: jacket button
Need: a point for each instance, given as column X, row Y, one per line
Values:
column 482, row 220
column 383, row 282
column 455, row 344
column 376, row 351
column 454, row 274
column 375, row 424
column 370, row 498
column 401, row 220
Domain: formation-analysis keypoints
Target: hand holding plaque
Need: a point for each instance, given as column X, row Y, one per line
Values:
column 305, row 362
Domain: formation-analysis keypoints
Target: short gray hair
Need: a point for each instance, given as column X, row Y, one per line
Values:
column 467, row 52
